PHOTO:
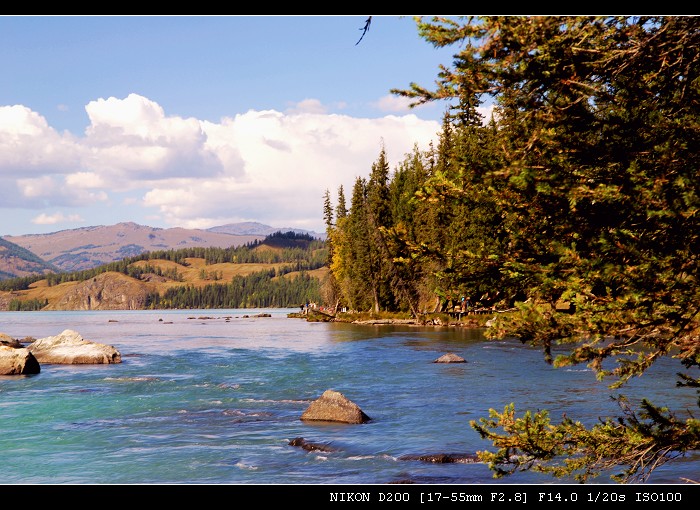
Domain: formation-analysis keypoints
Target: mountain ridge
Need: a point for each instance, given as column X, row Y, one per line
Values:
column 88, row 247
column 256, row 228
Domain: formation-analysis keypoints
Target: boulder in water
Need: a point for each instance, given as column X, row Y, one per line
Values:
column 450, row 357
column 334, row 406
column 70, row 348
column 17, row 361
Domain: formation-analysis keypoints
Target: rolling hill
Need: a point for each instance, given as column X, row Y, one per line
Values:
column 89, row 247
column 16, row 261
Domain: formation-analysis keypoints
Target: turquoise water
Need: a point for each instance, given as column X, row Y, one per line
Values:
column 214, row 397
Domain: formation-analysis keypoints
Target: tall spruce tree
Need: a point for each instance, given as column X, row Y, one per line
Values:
column 327, row 210
column 595, row 179
column 378, row 213
column 339, row 281
column 341, row 210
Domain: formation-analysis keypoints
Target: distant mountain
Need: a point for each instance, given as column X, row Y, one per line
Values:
column 88, row 247
column 17, row 261
column 258, row 229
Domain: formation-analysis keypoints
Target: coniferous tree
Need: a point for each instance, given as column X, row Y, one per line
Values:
column 378, row 214
column 338, row 280
column 327, row 210
column 341, row 210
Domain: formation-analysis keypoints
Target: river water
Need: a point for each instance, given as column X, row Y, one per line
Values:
column 215, row 396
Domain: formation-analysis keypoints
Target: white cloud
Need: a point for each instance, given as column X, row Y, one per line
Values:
column 307, row 106
column 486, row 112
column 264, row 166
column 46, row 219
column 85, row 180
column 38, row 187
column 18, row 120
column 29, row 145
column 393, row 104
column 49, row 190
column 132, row 138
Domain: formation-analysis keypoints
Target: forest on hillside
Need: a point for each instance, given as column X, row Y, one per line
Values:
column 287, row 252
column 257, row 290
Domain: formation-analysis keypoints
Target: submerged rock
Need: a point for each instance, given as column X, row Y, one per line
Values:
column 334, row 406
column 444, row 458
column 17, row 361
column 309, row 446
column 71, row 348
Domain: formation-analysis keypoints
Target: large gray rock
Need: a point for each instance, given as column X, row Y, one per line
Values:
column 334, row 406
column 17, row 361
column 71, row 348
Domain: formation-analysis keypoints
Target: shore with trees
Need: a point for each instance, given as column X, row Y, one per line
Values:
column 576, row 203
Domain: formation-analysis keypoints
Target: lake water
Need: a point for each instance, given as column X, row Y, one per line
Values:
column 214, row 397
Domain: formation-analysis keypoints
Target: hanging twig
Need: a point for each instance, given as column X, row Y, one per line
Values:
column 364, row 29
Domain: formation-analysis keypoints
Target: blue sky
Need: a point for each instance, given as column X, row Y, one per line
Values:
column 198, row 121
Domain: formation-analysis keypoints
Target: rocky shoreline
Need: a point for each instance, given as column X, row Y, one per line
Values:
column 436, row 319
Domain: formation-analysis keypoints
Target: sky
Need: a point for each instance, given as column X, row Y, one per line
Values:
column 200, row 121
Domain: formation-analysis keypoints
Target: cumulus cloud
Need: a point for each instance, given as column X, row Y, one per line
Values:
column 134, row 138
column 266, row 166
column 85, row 180
column 28, row 145
column 52, row 219
column 307, row 106
column 393, row 104
column 51, row 190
